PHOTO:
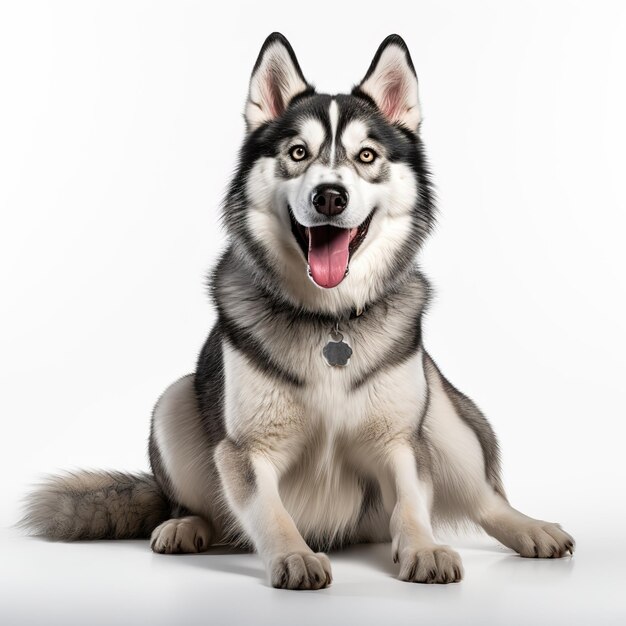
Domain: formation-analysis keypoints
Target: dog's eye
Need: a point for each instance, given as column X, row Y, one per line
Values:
column 298, row 153
column 367, row 156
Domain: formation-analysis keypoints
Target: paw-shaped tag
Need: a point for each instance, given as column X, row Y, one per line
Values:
column 337, row 351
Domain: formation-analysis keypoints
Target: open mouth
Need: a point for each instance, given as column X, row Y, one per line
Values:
column 328, row 249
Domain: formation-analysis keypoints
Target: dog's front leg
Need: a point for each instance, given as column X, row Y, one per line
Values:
column 250, row 483
column 421, row 559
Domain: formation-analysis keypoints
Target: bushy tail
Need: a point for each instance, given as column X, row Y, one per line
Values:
column 95, row 505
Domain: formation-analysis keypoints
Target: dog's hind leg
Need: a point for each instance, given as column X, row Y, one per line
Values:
column 182, row 535
column 527, row 536
column 181, row 455
column 466, row 474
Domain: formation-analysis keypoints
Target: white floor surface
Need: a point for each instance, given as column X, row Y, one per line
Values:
column 122, row 582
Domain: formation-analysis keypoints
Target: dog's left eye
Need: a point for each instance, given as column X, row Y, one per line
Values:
column 298, row 153
column 367, row 156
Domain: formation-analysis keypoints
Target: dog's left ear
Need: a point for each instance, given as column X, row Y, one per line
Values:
column 276, row 80
column 391, row 82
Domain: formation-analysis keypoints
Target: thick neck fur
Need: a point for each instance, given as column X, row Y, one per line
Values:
column 239, row 287
column 285, row 342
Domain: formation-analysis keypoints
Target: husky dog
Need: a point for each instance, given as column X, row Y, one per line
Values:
column 315, row 417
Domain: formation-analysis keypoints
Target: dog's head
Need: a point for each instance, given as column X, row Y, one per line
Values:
column 331, row 200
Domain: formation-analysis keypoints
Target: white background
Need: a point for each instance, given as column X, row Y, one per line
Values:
column 119, row 128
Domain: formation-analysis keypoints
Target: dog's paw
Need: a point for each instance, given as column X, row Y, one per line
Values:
column 543, row 540
column 181, row 535
column 430, row 564
column 300, row 570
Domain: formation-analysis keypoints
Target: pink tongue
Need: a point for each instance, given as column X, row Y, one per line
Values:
column 328, row 254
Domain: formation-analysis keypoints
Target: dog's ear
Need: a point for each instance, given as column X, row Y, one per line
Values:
column 391, row 83
column 276, row 80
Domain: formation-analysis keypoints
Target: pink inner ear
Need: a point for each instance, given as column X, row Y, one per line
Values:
column 272, row 93
column 394, row 95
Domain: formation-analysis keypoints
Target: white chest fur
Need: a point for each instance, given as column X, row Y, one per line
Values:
column 324, row 437
column 392, row 401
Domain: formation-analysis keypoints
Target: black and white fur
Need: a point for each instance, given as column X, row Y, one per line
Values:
column 266, row 444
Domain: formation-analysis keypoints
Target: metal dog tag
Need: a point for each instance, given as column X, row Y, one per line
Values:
column 337, row 351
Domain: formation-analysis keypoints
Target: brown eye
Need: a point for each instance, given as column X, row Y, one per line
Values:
column 298, row 153
column 367, row 156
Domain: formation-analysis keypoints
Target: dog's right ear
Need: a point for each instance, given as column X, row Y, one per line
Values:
column 276, row 80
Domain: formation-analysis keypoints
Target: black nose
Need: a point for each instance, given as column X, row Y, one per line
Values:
column 330, row 199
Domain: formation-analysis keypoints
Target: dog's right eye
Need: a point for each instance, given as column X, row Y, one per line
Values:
column 298, row 153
